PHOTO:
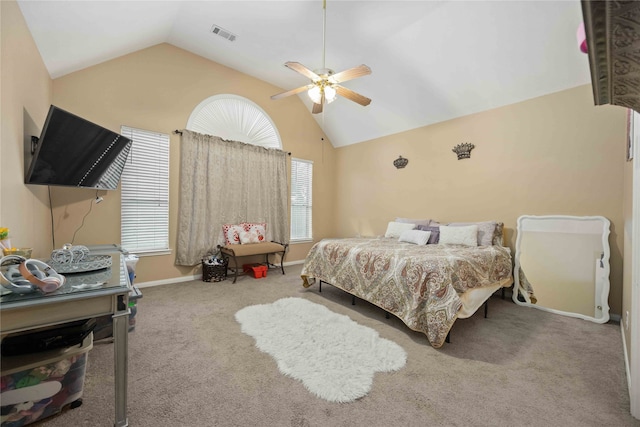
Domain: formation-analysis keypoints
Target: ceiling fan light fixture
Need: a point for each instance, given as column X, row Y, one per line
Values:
column 315, row 93
column 329, row 94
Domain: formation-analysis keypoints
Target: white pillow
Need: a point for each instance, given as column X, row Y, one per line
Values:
column 465, row 235
column 395, row 229
column 486, row 231
column 417, row 237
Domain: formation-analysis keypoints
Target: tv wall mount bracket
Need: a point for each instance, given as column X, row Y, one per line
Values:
column 34, row 143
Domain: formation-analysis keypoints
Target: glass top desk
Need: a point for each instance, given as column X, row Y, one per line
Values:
column 23, row 312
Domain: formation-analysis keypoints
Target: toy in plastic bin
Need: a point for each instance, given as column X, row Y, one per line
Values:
column 214, row 268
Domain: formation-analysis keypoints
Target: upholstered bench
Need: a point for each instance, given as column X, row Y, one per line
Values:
column 264, row 248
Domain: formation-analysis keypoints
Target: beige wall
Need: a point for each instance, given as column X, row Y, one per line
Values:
column 557, row 154
column 26, row 91
column 157, row 89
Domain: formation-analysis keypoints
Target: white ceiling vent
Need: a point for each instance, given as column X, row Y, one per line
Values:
column 223, row 33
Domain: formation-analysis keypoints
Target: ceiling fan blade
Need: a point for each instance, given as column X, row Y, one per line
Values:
column 298, row 67
column 351, row 73
column 292, row 92
column 317, row 108
column 351, row 95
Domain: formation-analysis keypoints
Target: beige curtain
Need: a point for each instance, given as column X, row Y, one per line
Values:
column 227, row 182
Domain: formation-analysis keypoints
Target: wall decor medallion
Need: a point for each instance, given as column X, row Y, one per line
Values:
column 400, row 162
column 463, row 150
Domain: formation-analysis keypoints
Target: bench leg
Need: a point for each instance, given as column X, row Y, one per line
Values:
column 235, row 269
column 282, row 262
column 266, row 256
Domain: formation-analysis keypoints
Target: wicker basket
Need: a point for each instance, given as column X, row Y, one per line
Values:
column 214, row 273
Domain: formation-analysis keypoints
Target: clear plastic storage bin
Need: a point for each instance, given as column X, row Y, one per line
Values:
column 36, row 386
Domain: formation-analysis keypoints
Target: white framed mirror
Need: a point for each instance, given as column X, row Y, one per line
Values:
column 562, row 265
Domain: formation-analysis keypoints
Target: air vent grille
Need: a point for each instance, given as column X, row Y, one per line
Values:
column 215, row 29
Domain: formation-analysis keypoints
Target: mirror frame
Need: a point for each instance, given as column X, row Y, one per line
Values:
column 602, row 300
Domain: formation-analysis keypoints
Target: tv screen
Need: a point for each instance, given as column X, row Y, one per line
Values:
column 75, row 152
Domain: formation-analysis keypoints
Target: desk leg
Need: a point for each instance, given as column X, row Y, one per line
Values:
column 120, row 349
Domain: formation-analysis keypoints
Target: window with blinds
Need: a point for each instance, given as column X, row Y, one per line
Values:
column 145, row 193
column 301, row 200
column 236, row 118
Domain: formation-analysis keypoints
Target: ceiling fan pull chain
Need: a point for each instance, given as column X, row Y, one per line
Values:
column 324, row 32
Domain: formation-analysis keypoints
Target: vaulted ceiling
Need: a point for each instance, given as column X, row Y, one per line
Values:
column 431, row 60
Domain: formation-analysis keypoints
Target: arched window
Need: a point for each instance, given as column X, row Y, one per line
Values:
column 234, row 118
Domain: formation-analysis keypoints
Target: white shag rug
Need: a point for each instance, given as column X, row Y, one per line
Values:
column 333, row 356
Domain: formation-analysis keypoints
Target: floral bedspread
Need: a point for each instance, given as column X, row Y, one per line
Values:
column 417, row 283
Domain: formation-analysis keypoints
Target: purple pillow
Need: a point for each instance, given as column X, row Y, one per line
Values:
column 435, row 233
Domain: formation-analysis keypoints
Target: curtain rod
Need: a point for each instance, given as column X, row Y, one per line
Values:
column 180, row 133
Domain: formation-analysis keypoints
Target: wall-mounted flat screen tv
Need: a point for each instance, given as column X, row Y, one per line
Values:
column 75, row 152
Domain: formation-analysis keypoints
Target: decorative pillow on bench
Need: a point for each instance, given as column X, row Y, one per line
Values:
column 258, row 231
column 250, row 237
column 232, row 233
column 245, row 232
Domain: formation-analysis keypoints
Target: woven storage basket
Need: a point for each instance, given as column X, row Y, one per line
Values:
column 214, row 273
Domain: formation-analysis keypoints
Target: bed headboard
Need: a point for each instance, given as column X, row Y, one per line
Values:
column 498, row 232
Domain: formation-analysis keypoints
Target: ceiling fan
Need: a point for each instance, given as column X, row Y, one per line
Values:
column 324, row 86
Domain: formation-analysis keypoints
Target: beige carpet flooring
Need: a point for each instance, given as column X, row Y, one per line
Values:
column 189, row 365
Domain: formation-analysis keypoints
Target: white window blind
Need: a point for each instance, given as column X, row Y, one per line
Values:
column 236, row 118
column 301, row 200
column 145, row 192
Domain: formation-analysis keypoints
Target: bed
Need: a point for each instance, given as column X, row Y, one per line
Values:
column 427, row 286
